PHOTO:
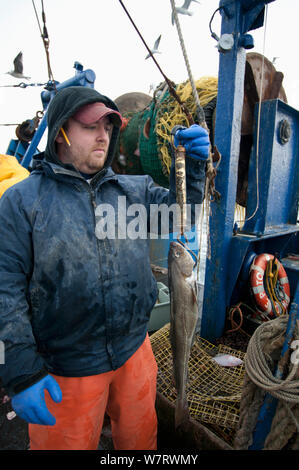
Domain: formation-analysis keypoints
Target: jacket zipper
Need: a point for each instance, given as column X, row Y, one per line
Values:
column 92, row 198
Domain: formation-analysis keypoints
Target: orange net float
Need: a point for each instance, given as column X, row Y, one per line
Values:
column 269, row 305
column 125, row 122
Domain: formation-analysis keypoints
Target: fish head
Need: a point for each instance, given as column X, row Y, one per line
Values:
column 181, row 258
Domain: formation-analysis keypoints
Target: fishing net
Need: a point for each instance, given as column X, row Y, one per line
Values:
column 146, row 140
column 214, row 391
column 170, row 113
column 149, row 152
column 128, row 142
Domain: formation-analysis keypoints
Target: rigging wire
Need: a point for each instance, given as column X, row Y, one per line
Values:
column 169, row 83
column 9, row 124
column 23, row 85
column 46, row 41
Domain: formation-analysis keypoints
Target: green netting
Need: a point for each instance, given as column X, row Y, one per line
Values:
column 129, row 138
column 146, row 141
column 149, row 151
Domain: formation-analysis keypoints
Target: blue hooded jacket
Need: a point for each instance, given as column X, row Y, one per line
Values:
column 71, row 303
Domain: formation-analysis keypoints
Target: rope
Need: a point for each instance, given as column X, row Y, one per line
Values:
column 264, row 345
column 210, row 170
column 259, row 364
column 237, row 326
column 200, row 112
column 170, row 114
column 272, row 287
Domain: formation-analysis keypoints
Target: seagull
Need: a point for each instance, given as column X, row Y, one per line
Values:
column 274, row 60
column 18, row 67
column 155, row 48
column 184, row 9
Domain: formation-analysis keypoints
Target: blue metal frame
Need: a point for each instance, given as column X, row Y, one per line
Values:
column 278, row 164
column 274, row 224
column 271, row 224
column 20, row 149
column 227, row 139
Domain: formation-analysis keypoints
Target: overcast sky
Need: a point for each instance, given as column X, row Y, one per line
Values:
column 99, row 35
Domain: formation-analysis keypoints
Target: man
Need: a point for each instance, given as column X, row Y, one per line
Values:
column 74, row 305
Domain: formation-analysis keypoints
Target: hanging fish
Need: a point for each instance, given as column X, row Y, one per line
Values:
column 183, row 320
column 180, row 178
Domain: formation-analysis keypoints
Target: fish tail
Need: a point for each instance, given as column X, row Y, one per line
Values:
column 181, row 412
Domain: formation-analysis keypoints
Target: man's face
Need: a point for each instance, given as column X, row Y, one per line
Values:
column 89, row 144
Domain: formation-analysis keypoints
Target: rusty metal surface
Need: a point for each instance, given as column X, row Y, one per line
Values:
column 271, row 88
column 132, row 102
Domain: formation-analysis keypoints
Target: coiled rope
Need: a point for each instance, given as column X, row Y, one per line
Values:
column 263, row 348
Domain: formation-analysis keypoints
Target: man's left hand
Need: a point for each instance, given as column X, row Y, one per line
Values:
column 195, row 140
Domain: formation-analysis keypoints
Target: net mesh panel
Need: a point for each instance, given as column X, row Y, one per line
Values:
column 149, row 153
column 214, row 391
column 159, row 117
column 128, row 143
column 170, row 114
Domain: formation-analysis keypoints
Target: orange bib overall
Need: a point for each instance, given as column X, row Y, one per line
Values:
column 127, row 395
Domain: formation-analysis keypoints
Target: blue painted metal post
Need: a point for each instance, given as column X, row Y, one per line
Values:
column 227, row 140
column 238, row 17
column 34, row 142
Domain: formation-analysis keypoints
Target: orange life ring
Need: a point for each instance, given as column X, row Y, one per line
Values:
column 257, row 274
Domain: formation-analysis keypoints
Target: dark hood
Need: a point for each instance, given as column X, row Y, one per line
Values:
column 64, row 105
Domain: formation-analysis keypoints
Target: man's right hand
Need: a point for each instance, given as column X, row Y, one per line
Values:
column 30, row 404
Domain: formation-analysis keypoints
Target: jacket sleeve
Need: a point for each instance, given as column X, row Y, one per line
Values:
column 160, row 199
column 21, row 365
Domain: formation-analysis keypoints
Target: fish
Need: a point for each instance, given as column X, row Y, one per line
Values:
column 180, row 179
column 183, row 321
column 227, row 360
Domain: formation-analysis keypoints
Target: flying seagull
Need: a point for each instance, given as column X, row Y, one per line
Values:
column 184, row 9
column 155, row 48
column 18, row 67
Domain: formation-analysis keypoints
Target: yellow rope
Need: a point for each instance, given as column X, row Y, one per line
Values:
column 170, row 113
column 271, row 278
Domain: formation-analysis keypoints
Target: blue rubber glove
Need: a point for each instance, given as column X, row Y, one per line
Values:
column 30, row 404
column 195, row 140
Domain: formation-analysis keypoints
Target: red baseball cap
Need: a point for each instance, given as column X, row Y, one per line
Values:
column 93, row 112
